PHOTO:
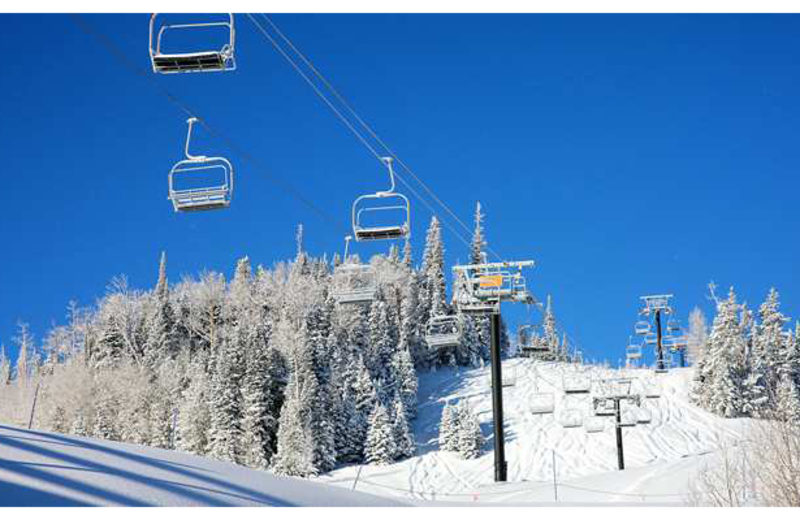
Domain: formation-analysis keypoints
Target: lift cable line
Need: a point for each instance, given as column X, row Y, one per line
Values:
column 372, row 149
column 115, row 51
column 349, row 124
column 367, row 127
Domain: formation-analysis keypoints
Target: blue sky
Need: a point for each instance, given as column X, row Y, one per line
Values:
column 626, row 155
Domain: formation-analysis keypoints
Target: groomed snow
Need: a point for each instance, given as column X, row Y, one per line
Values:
column 44, row 469
column 660, row 457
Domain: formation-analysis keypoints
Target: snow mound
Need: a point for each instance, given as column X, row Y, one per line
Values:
column 661, row 456
column 48, row 469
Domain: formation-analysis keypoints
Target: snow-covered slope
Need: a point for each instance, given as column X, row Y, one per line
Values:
column 660, row 456
column 47, row 469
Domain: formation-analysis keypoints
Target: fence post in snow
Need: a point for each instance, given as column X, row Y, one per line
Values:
column 555, row 482
column 33, row 405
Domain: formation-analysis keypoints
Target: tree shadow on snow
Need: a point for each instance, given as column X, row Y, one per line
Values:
column 28, row 441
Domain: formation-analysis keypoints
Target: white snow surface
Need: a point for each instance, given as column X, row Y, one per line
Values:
column 49, row 469
column 661, row 457
column 45, row 469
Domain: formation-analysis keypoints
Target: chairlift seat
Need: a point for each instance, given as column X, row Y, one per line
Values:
column 380, row 233
column 202, row 199
column 203, row 61
column 644, row 416
column 189, row 62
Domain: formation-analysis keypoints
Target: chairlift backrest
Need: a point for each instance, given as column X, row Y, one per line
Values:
column 354, row 284
column 208, row 196
column 594, row 424
column 642, row 327
column 444, row 331
column 208, row 60
column 576, row 384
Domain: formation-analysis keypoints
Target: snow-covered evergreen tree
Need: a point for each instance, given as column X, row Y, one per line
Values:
column 470, row 437
column 720, row 383
column 449, row 428
column 380, row 445
column 226, row 400
column 696, row 336
column 405, row 444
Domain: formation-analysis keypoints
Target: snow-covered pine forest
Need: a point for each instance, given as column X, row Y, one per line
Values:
column 264, row 370
column 748, row 365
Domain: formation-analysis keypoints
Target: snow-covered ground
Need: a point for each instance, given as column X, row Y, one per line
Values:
column 48, row 469
column 39, row 468
column 660, row 456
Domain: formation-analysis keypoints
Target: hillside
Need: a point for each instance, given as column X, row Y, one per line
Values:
column 660, row 456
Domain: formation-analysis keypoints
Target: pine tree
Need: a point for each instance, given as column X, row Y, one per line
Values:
column 194, row 415
column 406, row 381
column 788, row 401
column 404, row 440
column 226, row 402
column 448, row 428
column 294, row 456
column 720, row 387
column 162, row 339
column 79, row 427
column 697, row 335
column 407, row 258
column 380, row 447
column 470, row 437
column 258, row 425
column 433, row 296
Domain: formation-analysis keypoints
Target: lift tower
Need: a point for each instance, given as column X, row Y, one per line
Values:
column 658, row 305
column 479, row 289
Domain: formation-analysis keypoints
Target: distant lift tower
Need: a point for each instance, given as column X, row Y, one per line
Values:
column 657, row 306
column 479, row 289
column 609, row 402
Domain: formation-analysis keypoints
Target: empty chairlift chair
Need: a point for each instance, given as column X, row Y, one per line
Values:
column 571, row 418
column 633, row 351
column 382, row 203
column 651, row 338
column 213, row 60
column 200, row 183
column 509, row 375
column 651, row 389
column 577, row 384
column 644, row 416
column 543, row 403
column 594, row 424
column 354, row 284
column 643, row 328
column 604, row 408
column 443, row 331
column 628, row 418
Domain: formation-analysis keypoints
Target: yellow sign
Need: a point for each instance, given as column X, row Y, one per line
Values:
column 492, row 281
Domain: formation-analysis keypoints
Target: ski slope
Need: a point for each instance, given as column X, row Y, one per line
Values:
column 48, row 469
column 660, row 457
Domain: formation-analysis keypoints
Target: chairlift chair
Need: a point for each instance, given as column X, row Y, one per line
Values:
column 604, row 408
column 444, row 331
column 673, row 325
column 651, row 389
column 397, row 202
column 576, row 384
column 644, row 416
column 571, row 418
column 216, row 196
column 204, row 61
column 633, row 351
column 509, row 375
column 594, row 424
column 354, row 284
column 628, row 418
column 543, row 403
column 651, row 338
column 667, row 363
column 642, row 327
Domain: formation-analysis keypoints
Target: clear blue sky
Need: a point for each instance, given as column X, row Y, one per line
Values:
column 625, row 154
